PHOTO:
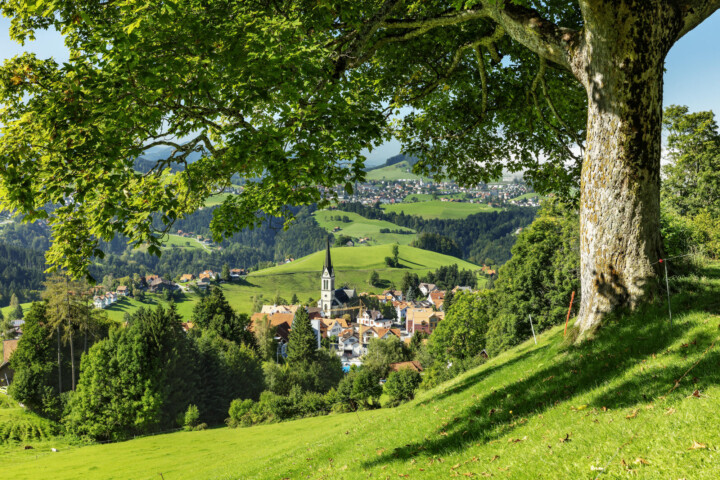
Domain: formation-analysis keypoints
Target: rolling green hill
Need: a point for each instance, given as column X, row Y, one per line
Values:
column 639, row 401
column 439, row 209
column 353, row 266
column 398, row 171
column 360, row 226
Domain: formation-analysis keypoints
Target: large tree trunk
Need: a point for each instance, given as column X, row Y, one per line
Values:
column 621, row 65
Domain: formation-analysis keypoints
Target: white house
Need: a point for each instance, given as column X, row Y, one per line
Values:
column 373, row 318
column 426, row 288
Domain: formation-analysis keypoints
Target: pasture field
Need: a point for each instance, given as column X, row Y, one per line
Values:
column 176, row 241
column 398, row 171
column 360, row 226
column 439, row 209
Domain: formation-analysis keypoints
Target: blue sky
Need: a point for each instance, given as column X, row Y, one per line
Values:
column 692, row 69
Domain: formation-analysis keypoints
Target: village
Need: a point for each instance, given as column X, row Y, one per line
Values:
column 343, row 320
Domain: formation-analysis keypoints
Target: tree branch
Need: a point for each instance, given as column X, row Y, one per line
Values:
column 695, row 12
column 529, row 28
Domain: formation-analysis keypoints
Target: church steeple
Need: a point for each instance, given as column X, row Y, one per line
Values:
column 327, row 288
column 328, row 261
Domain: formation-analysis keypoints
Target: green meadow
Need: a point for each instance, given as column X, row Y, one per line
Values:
column 360, row 226
column 424, row 197
column 638, row 401
column 176, row 241
column 439, row 209
column 398, row 171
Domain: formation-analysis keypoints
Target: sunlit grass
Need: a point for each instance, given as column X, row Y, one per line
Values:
column 639, row 401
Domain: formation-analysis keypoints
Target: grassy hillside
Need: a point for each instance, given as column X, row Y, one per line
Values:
column 398, row 171
column 640, row 401
column 360, row 226
column 353, row 265
column 424, row 197
column 6, row 310
column 17, row 425
column 176, row 241
column 439, row 209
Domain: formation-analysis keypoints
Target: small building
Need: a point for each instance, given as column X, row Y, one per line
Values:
column 208, row 274
column 159, row 285
column 437, row 298
column 123, row 291
column 186, row 277
column 426, row 288
column 203, row 284
column 422, row 320
column 237, row 273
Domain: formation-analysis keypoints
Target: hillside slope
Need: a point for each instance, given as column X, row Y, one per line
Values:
column 353, row 266
column 359, row 227
column 639, row 401
column 397, row 171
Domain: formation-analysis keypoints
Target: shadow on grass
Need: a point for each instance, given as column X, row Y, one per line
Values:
column 623, row 344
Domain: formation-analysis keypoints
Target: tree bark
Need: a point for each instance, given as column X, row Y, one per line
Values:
column 72, row 360
column 59, row 361
column 620, row 62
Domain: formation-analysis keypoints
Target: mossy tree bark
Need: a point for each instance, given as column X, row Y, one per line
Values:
column 619, row 59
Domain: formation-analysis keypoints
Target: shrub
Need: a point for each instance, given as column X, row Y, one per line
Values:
column 192, row 417
column 401, row 385
column 238, row 411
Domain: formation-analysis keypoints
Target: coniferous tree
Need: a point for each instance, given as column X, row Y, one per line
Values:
column 265, row 338
column 6, row 329
column 16, row 310
column 213, row 312
column 225, row 274
column 302, row 343
column 34, row 381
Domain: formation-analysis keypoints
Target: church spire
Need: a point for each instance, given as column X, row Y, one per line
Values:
column 328, row 262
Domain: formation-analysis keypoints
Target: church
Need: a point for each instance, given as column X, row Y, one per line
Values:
column 332, row 301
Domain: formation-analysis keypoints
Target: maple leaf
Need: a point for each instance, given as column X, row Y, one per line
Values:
column 697, row 446
column 696, row 394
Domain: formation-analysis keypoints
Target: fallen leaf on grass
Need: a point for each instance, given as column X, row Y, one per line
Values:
column 594, row 468
column 669, row 411
column 486, row 474
column 641, row 461
column 380, row 451
column 444, row 434
column 633, row 414
column 697, row 446
column 696, row 394
column 566, row 439
column 516, row 440
column 494, row 458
